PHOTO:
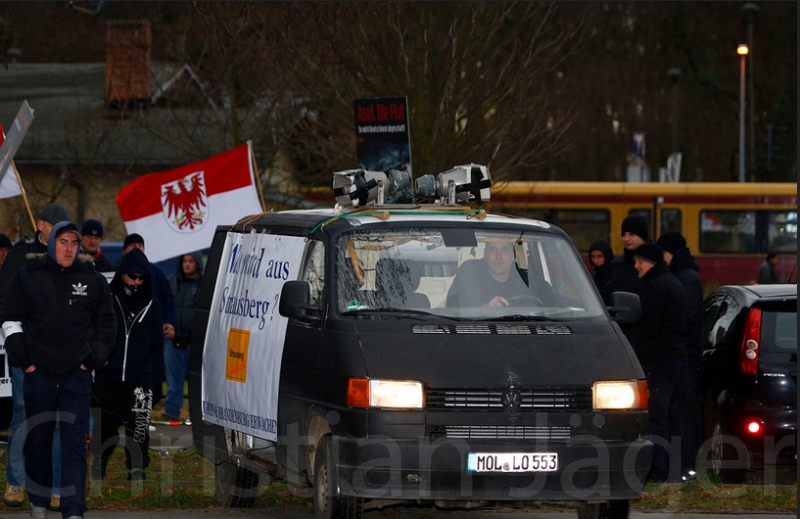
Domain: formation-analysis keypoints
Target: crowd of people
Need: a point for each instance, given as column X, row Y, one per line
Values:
column 667, row 338
column 87, row 357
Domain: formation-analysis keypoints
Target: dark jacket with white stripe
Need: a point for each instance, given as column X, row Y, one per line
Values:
column 139, row 351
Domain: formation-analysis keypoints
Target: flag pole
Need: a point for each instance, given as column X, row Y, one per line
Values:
column 257, row 178
column 24, row 197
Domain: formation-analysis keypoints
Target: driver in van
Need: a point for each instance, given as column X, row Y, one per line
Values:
column 490, row 282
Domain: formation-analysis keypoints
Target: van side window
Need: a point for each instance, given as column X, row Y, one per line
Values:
column 314, row 271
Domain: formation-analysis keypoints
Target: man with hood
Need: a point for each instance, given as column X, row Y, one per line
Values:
column 657, row 340
column 600, row 256
column 684, row 267
column 15, row 468
column 59, row 324
column 124, row 388
column 622, row 276
column 185, row 284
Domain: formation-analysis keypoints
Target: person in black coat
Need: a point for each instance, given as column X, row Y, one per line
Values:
column 622, row 276
column 657, row 338
column 124, row 388
column 684, row 267
column 59, row 325
column 600, row 256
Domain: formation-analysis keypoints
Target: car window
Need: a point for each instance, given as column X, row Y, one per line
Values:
column 454, row 272
column 314, row 271
column 779, row 327
column 723, row 330
column 710, row 310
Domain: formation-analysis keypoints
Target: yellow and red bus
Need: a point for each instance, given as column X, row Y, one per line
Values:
column 729, row 227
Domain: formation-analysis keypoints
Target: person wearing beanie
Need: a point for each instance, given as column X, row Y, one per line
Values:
column 5, row 247
column 18, row 257
column 622, row 276
column 600, row 257
column 657, row 338
column 684, row 267
column 123, row 393
column 59, row 324
column 92, row 231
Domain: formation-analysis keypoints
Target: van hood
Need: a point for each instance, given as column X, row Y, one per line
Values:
column 453, row 355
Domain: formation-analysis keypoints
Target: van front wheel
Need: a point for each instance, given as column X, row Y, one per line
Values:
column 619, row 509
column 329, row 503
column 236, row 487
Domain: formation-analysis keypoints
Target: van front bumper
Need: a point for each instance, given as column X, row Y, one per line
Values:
column 588, row 469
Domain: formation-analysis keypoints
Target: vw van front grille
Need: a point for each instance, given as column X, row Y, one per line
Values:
column 545, row 399
column 493, row 432
column 492, row 329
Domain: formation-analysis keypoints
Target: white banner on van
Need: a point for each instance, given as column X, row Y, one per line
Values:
column 245, row 335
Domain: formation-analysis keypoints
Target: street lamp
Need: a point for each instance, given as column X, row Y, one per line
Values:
column 749, row 10
column 742, row 50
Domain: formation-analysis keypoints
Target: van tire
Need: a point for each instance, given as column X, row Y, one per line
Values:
column 722, row 453
column 617, row 509
column 236, row 487
column 329, row 503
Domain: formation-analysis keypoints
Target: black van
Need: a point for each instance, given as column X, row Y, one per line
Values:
column 404, row 376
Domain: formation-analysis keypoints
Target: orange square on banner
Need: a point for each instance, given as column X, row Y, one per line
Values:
column 236, row 356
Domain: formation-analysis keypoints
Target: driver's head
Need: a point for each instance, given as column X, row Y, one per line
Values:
column 499, row 257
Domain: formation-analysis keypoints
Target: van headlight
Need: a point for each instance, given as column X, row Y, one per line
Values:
column 393, row 394
column 624, row 394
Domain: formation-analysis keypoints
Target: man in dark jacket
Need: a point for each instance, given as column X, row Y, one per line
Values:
column 622, row 276
column 17, row 430
column 684, row 267
column 185, row 284
column 124, row 388
column 600, row 256
column 59, row 324
column 657, row 340
column 92, row 232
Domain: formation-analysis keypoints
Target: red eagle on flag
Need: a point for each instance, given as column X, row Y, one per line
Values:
column 184, row 198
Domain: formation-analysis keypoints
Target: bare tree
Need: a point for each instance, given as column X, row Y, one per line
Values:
column 474, row 74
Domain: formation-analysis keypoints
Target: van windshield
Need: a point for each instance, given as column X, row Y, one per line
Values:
column 463, row 273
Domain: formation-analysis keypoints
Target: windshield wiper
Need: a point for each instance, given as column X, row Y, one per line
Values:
column 403, row 312
column 523, row 317
column 394, row 311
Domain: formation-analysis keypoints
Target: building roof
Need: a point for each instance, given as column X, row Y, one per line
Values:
column 73, row 126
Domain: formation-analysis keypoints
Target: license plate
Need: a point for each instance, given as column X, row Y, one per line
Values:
column 512, row 462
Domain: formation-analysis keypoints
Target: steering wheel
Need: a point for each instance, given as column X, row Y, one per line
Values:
column 524, row 300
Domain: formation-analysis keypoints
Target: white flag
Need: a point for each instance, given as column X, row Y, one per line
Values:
column 8, row 186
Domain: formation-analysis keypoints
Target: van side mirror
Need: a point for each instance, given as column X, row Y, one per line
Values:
column 294, row 302
column 625, row 307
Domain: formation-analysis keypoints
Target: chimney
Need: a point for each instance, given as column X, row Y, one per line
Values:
column 128, row 74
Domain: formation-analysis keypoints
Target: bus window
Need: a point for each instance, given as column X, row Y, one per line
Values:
column 782, row 233
column 583, row 226
column 671, row 221
column 728, row 231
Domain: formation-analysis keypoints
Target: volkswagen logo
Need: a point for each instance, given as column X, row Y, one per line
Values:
column 511, row 400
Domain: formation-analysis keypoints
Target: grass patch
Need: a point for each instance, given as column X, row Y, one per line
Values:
column 717, row 497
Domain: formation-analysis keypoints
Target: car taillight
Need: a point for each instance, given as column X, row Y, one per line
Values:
column 748, row 355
